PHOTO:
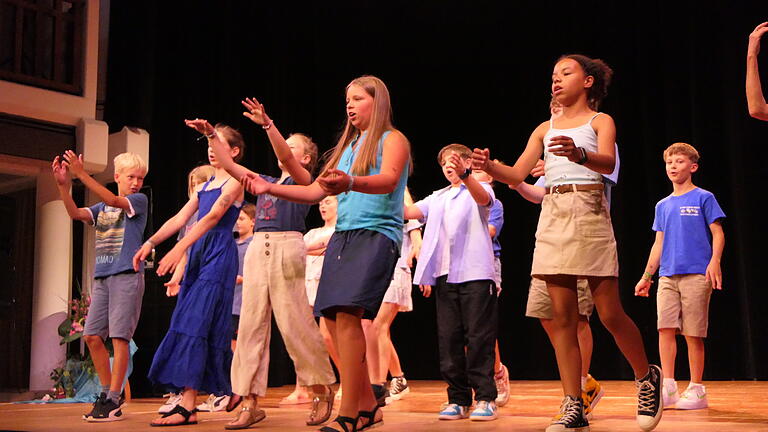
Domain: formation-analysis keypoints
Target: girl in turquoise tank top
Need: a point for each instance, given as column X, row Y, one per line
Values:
column 367, row 170
column 575, row 237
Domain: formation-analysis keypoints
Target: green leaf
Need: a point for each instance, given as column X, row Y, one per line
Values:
column 65, row 327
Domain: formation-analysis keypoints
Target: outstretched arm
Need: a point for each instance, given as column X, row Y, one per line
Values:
column 644, row 285
column 479, row 194
column 512, row 175
column 755, row 98
column 220, row 148
column 258, row 115
column 61, row 175
column 75, row 164
column 170, row 227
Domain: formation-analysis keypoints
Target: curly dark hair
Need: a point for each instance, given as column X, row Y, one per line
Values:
column 599, row 71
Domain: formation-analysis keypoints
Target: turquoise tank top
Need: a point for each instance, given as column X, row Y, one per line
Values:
column 378, row 212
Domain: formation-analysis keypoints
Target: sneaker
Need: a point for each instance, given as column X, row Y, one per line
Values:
column 99, row 399
column 649, row 398
column 105, row 410
column 669, row 394
column 484, row 411
column 502, row 386
column 173, row 400
column 694, row 397
column 591, row 395
column 397, row 388
column 454, row 412
column 571, row 417
column 214, row 403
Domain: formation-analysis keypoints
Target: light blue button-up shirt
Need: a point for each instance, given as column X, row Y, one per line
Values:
column 471, row 250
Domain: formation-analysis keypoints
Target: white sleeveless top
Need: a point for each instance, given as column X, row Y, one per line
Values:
column 558, row 169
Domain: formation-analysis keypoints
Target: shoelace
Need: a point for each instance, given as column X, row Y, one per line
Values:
column 570, row 411
column 646, row 399
column 396, row 386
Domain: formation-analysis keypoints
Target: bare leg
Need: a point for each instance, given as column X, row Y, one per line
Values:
column 100, row 358
column 563, row 334
column 696, row 358
column 382, row 323
column 668, row 351
column 585, row 344
column 394, row 361
column 497, row 360
column 119, row 364
column 188, row 402
column 605, row 292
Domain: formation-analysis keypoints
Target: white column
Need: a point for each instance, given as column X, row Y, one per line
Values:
column 52, row 282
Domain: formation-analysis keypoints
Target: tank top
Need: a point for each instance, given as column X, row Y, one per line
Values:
column 558, row 169
column 378, row 212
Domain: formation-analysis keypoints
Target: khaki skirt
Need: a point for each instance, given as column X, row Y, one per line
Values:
column 575, row 236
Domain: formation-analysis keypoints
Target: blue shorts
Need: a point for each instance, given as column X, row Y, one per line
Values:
column 357, row 271
column 115, row 306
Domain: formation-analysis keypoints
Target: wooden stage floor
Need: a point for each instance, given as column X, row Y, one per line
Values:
column 734, row 406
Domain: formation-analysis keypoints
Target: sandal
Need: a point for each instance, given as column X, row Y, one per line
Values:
column 318, row 403
column 254, row 415
column 343, row 422
column 178, row 409
column 369, row 419
column 234, row 401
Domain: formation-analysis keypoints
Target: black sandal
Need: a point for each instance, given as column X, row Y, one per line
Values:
column 343, row 422
column 234, row 401
column 369, row 419
column 178, row 409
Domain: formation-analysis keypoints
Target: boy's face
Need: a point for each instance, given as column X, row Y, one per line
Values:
column 129, row 181
column 244, row 224
column 327, row 208
column 679, row 168
column 452, row 172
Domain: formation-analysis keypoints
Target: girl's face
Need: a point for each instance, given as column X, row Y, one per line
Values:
column 328, row 208
column 233, row 151
column 296, row 144
column 569, row 81
column 359, row 106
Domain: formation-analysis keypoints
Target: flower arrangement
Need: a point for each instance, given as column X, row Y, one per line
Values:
column 70, row 330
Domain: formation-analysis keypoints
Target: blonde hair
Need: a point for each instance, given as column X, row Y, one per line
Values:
column 310, row 149
column 126, row 161
column 459, row 149
column 684, row 149
column 199, row 174
column 381, row 121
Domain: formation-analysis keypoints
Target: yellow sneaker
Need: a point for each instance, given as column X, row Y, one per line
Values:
column 592, row 394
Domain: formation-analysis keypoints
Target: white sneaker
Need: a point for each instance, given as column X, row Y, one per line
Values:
column 397, row 388
column 694, row 397
column 214, row 403
column 173, row 400
column 670, row 395
column 502, row 386
column 453, row 412
column 484, row 411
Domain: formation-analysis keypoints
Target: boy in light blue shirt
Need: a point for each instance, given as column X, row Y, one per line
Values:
column 457, row 259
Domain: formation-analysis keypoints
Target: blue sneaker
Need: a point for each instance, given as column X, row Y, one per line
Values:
column 484, row 411
column 454, row 412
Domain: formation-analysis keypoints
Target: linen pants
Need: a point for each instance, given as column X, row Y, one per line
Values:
column 467, row 315
column 273, row 279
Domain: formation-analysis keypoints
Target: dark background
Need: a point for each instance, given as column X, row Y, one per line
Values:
column 479, row 74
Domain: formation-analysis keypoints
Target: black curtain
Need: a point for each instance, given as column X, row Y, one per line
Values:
column 477, row 74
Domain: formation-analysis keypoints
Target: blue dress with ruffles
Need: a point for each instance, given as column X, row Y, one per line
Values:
column 196, row 351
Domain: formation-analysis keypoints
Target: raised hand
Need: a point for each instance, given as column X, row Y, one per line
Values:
column 74, row 163
column 538, row 170
column 334, row 181
column 254, row 184
column 60, row 172
column 200, row 125
column 754, row 38
column 481, row 159
column 255, row 112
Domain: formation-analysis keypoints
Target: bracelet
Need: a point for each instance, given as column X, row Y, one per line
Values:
column 268, row 125
column 583, row 158
column 647, row 276
column 351, row 183
column 151, row 244
column 211, row 135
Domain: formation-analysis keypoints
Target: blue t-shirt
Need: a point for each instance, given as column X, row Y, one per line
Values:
column 685, row 220
column 119, row 235
column 274, row 214
column 237, row 300
column 496, row 218
column 377, row 212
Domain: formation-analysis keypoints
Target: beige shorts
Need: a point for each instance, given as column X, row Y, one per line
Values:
column 540, row 305
column 682, row 303
column 575, row 236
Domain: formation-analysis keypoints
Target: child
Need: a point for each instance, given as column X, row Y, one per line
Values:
column 574, row 238
column 396, row 299
column 457, row 258
column 495, row 224
column 195, row 354
column 755, row 98
column 369, row 167
column 689, row 244
column 273, row 280
column 117, row 286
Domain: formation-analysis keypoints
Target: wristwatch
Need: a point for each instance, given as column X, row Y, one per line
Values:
column 583, row 158
column 465, row 174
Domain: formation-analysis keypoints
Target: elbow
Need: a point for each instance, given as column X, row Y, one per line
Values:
column 760, row 114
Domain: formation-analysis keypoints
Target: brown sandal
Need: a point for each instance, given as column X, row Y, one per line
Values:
column 246, row 418
column 317, row 416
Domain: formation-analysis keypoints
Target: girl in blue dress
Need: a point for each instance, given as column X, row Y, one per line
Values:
column 195, row 353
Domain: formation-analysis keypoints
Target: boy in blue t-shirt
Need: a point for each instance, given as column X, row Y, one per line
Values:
column 117, row 287
column 689, row 244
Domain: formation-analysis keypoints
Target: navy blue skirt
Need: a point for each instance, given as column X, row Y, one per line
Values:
column 357, row 271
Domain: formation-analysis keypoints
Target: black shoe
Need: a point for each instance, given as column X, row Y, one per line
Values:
column 105, row 410
column 571, row 417
column 99, row 399
column 380, row 392
column 649, row 390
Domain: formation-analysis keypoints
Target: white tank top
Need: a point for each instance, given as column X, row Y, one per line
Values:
column 558, row 169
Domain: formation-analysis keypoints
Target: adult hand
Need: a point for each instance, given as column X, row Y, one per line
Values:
column 256, row 112
column 753, row 48
column 334, row 181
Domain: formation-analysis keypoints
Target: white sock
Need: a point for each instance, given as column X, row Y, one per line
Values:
column 583, row 383
column 670, row 382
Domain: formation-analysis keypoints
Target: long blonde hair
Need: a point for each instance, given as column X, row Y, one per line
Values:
column 381, row 121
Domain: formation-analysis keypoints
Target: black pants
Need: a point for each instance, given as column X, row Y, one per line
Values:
column 467, row 315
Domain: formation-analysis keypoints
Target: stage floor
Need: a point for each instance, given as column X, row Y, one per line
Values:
column 734, row 406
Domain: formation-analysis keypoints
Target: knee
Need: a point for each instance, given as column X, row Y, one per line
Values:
column 93, row 340
column 613, row 320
